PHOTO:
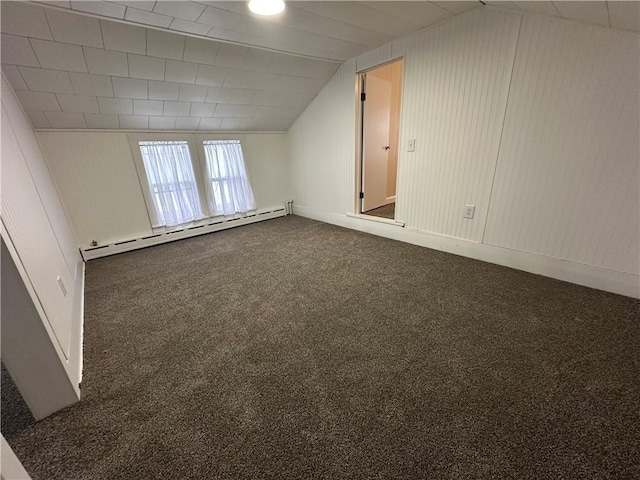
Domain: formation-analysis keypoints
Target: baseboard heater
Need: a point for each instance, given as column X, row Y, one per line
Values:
column 213, row 225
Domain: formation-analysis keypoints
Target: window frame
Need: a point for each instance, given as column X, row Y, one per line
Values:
column 196, row 164
column 195, row 143
column 206, row 174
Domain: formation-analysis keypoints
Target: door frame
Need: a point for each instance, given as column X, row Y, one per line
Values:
column 359, row 128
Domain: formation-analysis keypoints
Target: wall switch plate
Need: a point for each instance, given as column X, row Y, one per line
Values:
column 469, row 210
column 411, row 145
column 62, row 287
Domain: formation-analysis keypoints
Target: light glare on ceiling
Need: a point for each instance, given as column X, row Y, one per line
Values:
column 266, row 7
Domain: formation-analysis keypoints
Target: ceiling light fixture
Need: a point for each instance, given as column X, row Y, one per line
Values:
column 266, row 7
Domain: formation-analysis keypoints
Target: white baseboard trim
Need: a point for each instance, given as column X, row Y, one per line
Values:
column 587, row 275
column 215, row 225
column 391, row 200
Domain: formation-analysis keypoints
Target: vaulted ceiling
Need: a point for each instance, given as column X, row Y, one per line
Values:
column 210, row 65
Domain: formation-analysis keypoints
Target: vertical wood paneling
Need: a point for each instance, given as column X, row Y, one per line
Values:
column 98, row 184
column 567, row 178
column 41, row 176
column 534, row 120
column 455, row 92
column 322, row 147
column 40, row 233
column 28, row 226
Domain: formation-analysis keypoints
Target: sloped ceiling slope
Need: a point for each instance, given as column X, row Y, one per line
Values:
column 212, row 65
column 159, row 65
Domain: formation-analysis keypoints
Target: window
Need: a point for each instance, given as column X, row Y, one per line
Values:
column 230, row 191
column 187, row 178
column 172, row 183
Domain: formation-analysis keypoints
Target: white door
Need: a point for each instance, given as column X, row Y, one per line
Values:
column 375, row 143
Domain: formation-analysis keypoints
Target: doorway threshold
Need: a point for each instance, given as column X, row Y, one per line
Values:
column 371, row 218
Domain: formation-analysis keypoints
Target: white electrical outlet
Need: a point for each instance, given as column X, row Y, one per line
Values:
column 469, row 210
column 411, row 145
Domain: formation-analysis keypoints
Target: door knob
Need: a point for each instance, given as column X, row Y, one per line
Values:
column 387, row 147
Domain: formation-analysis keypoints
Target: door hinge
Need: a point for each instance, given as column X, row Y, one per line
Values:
column 363, row 96
column 361, row 194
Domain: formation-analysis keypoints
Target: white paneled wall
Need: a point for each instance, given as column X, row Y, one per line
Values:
column 30, row 149
column 455, row 90
column 567, row 180
column 98, row 183
column 534, row 120
column 35, row 241
column 37, row 223
column 42, row 246
column 267, row 166
column 322, row 147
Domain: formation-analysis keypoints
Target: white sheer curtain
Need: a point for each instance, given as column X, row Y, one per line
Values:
column 230, row 190
column 171, row 182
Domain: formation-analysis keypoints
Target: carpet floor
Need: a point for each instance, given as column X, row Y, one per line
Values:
column 386, row 211
column 15, row 414
column 293, row 349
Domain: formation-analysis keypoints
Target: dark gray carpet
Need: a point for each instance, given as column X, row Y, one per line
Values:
column 386, row 211
column 14, row 412
column 294, row 349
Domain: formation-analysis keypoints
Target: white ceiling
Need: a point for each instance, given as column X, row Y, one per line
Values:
column 328, row 30
column 621, row 15
column 157, row 65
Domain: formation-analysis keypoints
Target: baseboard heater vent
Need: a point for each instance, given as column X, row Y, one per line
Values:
column 122, row 246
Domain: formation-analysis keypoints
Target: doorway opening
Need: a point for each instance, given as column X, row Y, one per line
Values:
column 380, row 101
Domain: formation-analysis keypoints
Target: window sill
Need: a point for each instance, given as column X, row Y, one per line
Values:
column 203, row 222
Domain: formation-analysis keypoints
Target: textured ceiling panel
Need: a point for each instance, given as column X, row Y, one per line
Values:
column 100, row 74
column 327, row 30
column 211, row 65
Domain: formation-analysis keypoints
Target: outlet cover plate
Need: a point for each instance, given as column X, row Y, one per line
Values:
column 469, row 211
